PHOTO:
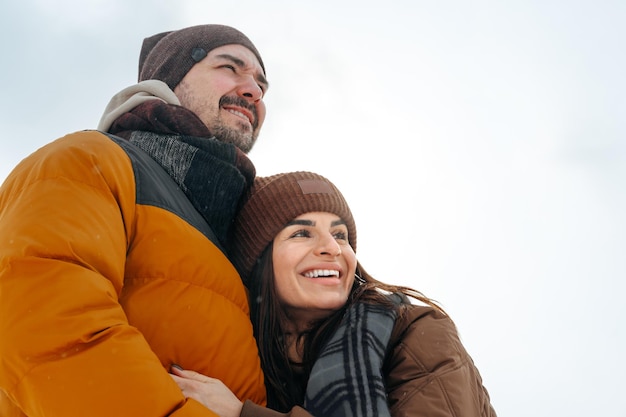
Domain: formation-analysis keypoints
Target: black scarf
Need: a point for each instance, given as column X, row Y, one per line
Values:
column 212, row 174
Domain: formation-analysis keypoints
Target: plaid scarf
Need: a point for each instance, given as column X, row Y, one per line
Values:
column 346, row 380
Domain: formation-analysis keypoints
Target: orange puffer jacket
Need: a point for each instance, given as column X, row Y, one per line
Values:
column 108, row 276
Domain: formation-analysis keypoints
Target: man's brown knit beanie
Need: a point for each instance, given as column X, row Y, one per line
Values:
column 273, row 202
column 168, row 56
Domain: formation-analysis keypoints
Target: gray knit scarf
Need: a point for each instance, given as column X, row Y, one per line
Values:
column 212, row 174
column 346, row 380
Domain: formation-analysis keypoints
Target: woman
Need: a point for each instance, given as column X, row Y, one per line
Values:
column 332, row 339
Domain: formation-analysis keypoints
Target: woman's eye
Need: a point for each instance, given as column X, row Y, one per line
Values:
column 301, row 233
column 341, row 236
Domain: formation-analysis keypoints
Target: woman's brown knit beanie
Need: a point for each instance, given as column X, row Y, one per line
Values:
column 273, row 202
column 169, row 56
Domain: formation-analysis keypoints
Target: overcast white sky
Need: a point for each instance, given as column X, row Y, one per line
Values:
column 481, row 146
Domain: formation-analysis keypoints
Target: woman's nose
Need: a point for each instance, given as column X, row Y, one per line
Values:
column 328, row 245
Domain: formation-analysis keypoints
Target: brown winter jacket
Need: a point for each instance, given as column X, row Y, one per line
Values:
column 108, row 276
column 428, row 372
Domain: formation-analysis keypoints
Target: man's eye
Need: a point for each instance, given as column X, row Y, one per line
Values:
column 230, row 67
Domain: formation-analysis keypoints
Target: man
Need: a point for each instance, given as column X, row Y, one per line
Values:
column 112, row 242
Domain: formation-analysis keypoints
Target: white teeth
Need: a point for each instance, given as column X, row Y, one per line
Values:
column 238, row 113
column 321, row 273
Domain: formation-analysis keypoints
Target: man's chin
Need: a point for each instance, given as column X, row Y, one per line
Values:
column 250, row 145
column 245, row 142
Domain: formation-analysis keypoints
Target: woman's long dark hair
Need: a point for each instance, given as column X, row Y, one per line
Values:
column 283, row 390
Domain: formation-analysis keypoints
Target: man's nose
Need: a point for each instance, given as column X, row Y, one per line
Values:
column 250, row 90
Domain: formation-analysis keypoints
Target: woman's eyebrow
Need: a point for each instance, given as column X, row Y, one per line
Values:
column 338, row 222
column 241, row 64
column 300, row 223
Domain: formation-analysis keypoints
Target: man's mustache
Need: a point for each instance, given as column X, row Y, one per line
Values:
column 240, row 102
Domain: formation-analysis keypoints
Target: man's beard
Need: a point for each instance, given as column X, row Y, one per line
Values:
column 226, row 134
column 243, row 141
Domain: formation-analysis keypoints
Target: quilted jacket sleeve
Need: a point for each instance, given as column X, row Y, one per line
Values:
column 66, row 347
column 430, row 373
